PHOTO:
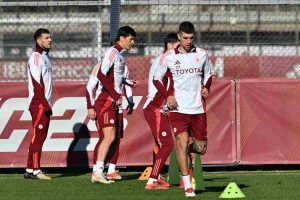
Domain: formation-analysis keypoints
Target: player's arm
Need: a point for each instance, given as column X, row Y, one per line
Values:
column 170, row 86
column 207, row 78
column 127, row 81
column 160, row 72
column 91, row 85
column 129, row 97
column 128, row 93
column 37, row 69
column 108, row 62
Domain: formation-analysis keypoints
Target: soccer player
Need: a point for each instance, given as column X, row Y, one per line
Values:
column 113, row 154
column 191, row 72
column 40, row 94
column 108, row 95
column 156, row 118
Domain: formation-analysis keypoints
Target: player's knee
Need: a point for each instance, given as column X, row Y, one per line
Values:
column 109, row 138
column 182, row 144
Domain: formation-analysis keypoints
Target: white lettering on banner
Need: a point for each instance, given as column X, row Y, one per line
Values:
column 56, row 126
column 16, row 137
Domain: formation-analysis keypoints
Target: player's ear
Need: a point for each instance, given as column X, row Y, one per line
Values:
column 38, row 41
column 178, row 35
column 122, row 38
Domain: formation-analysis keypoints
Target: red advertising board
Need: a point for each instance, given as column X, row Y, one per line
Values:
column 72, row 136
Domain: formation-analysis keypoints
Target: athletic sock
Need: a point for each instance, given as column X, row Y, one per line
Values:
column 187, row 182
column 111, row 168
column 151, row 180
column 99, row 167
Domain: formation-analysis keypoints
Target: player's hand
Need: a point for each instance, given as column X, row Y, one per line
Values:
column 204, row 92
column 129, row 109
column 172, row 103
column 132, row 83
column 92, row 113
column 49, row 113
column 119, row 102
column 214, row 75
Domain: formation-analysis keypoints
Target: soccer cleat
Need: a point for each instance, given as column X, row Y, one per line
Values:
column 28, row 175
column 163, row 182
column 41, row 176
column 190, row 192
column 156, row 186
column 114, row 176
column 99, row 178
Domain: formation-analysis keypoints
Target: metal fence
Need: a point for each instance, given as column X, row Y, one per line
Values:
column 244, row 38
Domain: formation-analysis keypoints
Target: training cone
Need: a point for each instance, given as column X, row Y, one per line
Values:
column 174, row 176
column 232, row 191
column 198, row 173
column 146, row 174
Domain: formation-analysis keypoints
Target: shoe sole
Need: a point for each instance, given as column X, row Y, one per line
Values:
column 157, row 188
column 114, row 179
column 190, row 195
column 109, row 181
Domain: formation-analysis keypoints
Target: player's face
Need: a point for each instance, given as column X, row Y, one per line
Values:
column 45, row 41
column 127, row 42
column 171, row 46
column 186, row 40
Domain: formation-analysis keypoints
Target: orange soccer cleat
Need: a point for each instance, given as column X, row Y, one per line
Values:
column 156, row 186
column 113, row 176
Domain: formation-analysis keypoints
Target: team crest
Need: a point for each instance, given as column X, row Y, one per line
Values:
column 112, row 121
column 164, row 134
column 41, row 126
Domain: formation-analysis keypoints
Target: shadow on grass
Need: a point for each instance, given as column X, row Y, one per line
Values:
column 130, row 176
column 77, row 153
column 214, row 179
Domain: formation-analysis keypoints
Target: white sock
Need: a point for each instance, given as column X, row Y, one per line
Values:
column 94, row 168
column 29, row 170
column 99, row 167
column 35, row 172
column 187, row 182
column 111, row 168
column 151, row 180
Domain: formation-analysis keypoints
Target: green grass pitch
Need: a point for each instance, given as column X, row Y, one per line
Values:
column 256, row 185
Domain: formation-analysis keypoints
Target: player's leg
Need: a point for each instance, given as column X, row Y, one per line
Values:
column 166, row 144
column 199, row 133
column 40, row 129
column 180, row 124
column 154, row 120
column 112, row 174
column 95, row 155
column 107, row 121
column 29, row 170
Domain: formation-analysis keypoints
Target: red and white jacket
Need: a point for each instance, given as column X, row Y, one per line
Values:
column 191, row 72
column 39, row 70
column 155, row 100
column 108, row 77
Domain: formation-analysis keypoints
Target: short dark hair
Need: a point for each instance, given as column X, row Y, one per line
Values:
column 186, row 27
column 170, row 38
column 39, row 32
column 125, row 31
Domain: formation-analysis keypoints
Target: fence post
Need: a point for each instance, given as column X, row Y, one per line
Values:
column 114, row 18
